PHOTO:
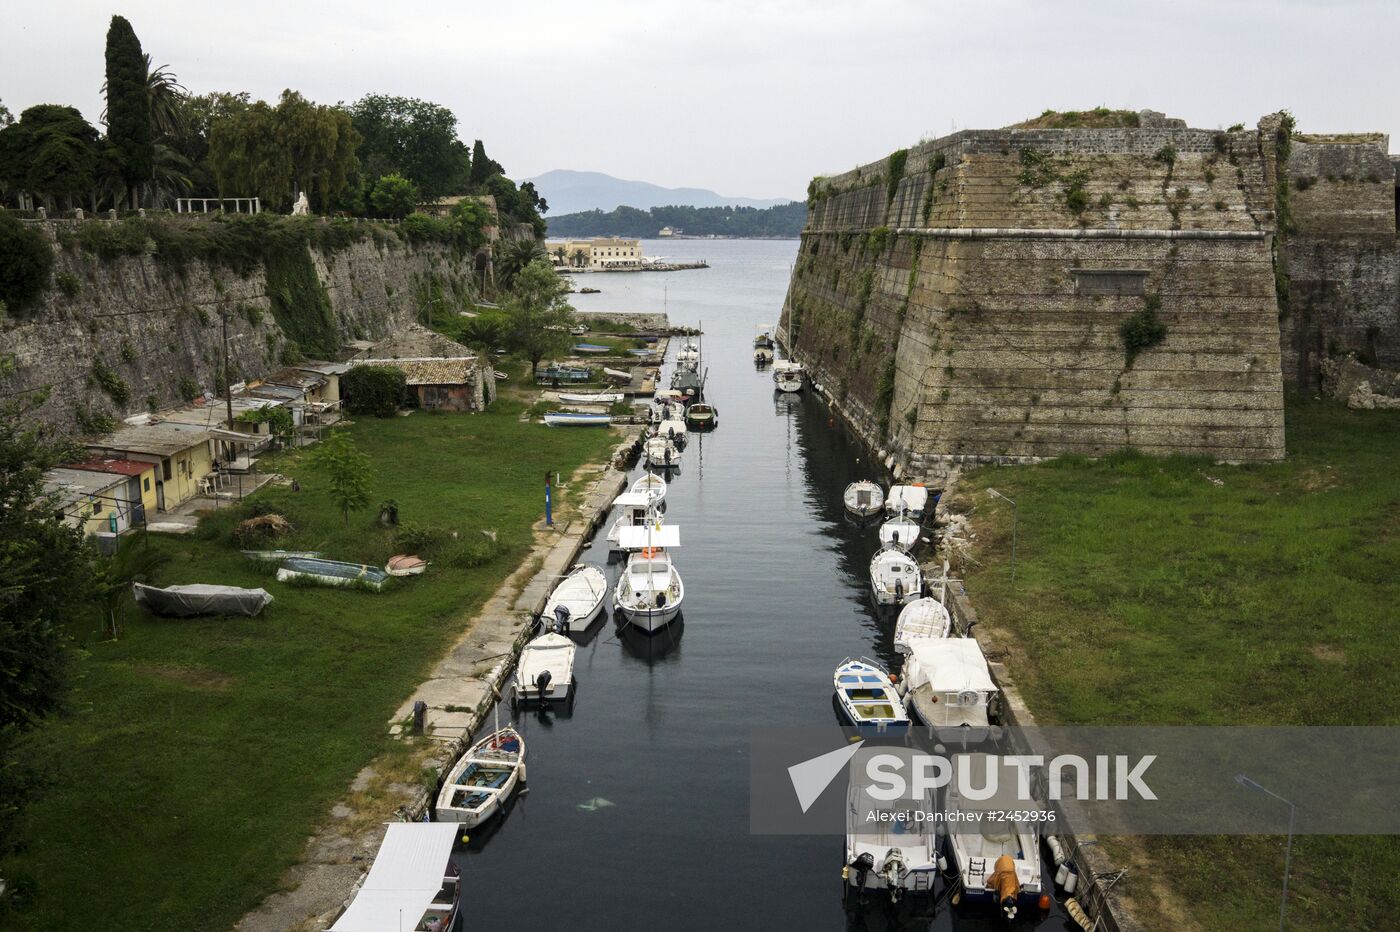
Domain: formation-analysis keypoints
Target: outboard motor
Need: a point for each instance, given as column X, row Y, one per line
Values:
column 895, row 535
column 542, row 682
column 561, row 618
column 899, row 590
column 863, row 865
column 893, row 872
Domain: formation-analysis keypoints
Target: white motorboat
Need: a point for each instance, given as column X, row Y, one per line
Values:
column 405, row 564
column 590, row 398
column 573, row 419
column 866, row 695
column 650, row 591
column 483, row 778
column 578, row 599
column 921, row 618
column 908, row 500
column 864, row 498
column 667, row 405
column 789, row 376
column 412, row 884
column 764, row 338
column 661, row 453
column 946, row 682
column 900, row 532
column 688, row 356
column 651, row 485
column 891, row 845
column 635, row 509
column 545, row 671
column 895, row 578
column 984, row 847
column 674, row 430
column 762, row 355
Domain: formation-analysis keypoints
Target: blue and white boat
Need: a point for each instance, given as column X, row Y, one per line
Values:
column 332, row 573
column 591, row 348
column 573, row 419
column 866, row 695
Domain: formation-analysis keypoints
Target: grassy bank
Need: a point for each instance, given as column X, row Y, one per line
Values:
column 201, row 752
column 1176, row 591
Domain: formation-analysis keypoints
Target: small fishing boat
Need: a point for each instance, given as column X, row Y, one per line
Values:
column 900, row 532
column 864, row 498
column 998, row 861
column 617, row 374
column 595, row 398
column 947, row 683
column 579, row 330
column 405, row 565
column 764, row 338
column 908, row 500
column 866, row 696
column 634, row 509
column 592, row 348
column 578, row 599
column 200, row 599
column 277, row 556
column 661, row 453
column 702, row 416
column 642, row 352
column 921, row 618
column 547, row 375
column 891, row 845
column 674, row 430
column 483, row 778
column 332, row 573
column 688, row 356
column 762, row 355
column 788, row 376
column 688, row 383
column 500, row 376
column 545, row 672
column 576, row 419
column 412, row 884
column 650, row 591
column 895, row 578
column 651, row 485
column 667, row 405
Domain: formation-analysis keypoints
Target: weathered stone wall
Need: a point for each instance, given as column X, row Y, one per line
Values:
column 159, row 332
column 972, row 309
column 1342, row 255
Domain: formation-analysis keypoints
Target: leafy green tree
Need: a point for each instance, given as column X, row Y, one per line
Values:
column 538, row 313
column 512, row 256
column 6, row 117
column 413, row 138
column 393, row 196
column 45, row 580
column 469, row 219
column 374, row 390
column 259, row 150
column 51, row 153
column 128, row 104
column 348, row 472
column 486, row 331
column 26, row 262
column 321, row 142
column 247, row 156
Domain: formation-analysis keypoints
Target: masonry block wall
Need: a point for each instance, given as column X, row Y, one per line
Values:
column 965, row 299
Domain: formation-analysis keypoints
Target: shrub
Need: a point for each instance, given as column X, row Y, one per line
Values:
column 1166, row 155
column 896, row 172
column 188, row 389
column 68, row 283
column 376, row 390
column 111, row 383
column 1143, row 330
column 419, row 539
column 26, row 262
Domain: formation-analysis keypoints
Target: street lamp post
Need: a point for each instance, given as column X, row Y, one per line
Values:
column 1014, row 522
column 1249, row 784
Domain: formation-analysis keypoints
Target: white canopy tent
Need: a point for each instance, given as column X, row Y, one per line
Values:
column 948, row 665
column 407, row 874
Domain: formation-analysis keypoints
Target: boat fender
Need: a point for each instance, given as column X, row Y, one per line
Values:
column 1057, row 850
column 523, row 778
column 1061, row 874
column 1076, row 912
column 1071, row 879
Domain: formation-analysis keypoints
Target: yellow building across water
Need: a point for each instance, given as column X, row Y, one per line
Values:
column 609, row 252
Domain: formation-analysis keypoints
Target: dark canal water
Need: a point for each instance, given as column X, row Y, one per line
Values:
column 638, row 810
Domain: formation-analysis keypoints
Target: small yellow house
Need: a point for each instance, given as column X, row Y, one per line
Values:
column 180, row 454
column 105, row 496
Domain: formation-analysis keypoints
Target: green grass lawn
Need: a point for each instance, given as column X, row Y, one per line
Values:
column 202, row 752
column 1145, row 592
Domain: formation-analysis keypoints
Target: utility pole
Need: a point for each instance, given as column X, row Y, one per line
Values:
column 228, row 379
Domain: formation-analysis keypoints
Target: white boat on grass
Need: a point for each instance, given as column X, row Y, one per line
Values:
column 590, row 398
column 483, row 778
column 864, row 498
column 789, row 376
column 576, row 419
column 895, row 579
column 891, row 845
column 651, row 485
column 412, row 884
column 909, row 500
column 277, row 556
column 900, row 532
column 578, row 599
column 332, row 573
column 866, row 695
column 617, row 375
column 650, row 591
column 998, row 861
column 921, row 618
column 947, row 683
column 545, row 671
column 661, row 453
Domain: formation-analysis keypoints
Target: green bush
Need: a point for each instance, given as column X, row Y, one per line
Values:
column 376, row 390
column 111, row 383
column 68, row 283
column 26, row 262
column 1143, row 330
column 896, row 172
column 188, row 389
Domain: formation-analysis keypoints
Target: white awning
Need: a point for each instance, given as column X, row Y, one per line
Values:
column 632, row 500
column 638, row 536
column 407, row 873
column 948, row 665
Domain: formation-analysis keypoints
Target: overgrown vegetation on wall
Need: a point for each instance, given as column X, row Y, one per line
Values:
column 1143, row 330
column 26, row 262
column 300, row 304
column 1283, row 210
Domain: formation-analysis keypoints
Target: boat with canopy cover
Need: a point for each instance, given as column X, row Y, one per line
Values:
column 412, row 880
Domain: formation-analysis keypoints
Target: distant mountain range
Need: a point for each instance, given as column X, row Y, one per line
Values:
column 569, row 192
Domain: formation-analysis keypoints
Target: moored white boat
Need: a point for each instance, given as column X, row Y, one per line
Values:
column 661, row 453
column 545, row 671
column 577, row 600
column 947, row 683
column 483, row 778
column 921, row 618
column 762, row 355
column 788, row 376
column 666, row 405
column 688, row 356
column 895, row 579
column 574, row 419
column 1007, row 853
column 650, row 591
column 864, row 498
column 891, row 845
column 909, row 500
column 866, row 695
column 701, row 416
column 674, row 430
column 412, row 883
column 900, row 532
column 652, row 485
column 634, row 509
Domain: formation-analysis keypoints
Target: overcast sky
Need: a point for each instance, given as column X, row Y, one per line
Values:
column 751, row 97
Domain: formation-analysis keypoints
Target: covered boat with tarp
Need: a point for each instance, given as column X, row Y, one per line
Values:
column 412, row 884
column 200, row 599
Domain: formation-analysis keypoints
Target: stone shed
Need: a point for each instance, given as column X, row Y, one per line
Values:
column 442, row 373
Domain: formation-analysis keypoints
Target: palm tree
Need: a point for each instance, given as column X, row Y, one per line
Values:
column 134, row 561
column 165, row 93
column 513, row 255
column 169, row 174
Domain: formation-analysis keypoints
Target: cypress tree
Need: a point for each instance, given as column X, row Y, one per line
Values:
column 483, row 167
column 128, row 108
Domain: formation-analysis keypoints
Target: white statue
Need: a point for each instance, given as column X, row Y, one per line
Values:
column 302, row 207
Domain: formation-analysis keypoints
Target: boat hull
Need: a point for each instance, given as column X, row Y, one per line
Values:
column 649, row 619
